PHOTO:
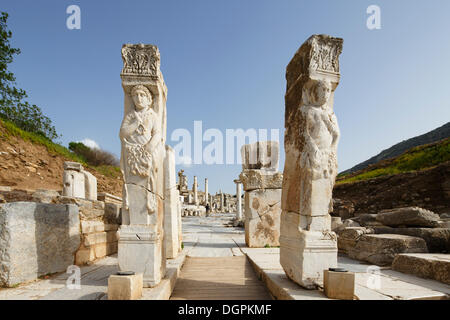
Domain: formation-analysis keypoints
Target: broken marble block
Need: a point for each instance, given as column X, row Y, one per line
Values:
column 36, row 239
column 262, row 218
column 90, row 186
column 260, row 155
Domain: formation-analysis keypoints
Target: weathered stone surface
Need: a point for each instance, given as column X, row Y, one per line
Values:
column 262, row 218
column 73, row 184
column 260, row 155
column 367, row 220
column 260, row 179
column 348, row 237
column 89, row 210
column 339, row 285
column 125, row 287
column 431, row 266
column 109, row 198
column 36, row 239
column 143, row 139
column 336, row 222
column 171, row 198
column 92, row 226
column 90, row 186
column 343, row 208
column 70, row 165
column 410, row 216
column 113, row 213
column 45, row 196
column 437, row 239
column 380, row 249
column 309, row 246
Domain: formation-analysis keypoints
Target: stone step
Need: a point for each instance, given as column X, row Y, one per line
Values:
column 381, row 249
column 429, row 266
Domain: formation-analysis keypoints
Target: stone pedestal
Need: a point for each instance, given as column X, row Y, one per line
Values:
column 262, row 199
column 143, row 136
column 307, row 244
column 339, row 285
column 125, row 287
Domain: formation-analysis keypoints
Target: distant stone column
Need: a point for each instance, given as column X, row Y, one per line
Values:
column 238, row 200
column 222, row 202
column 143, row 136
column 307, row 244
column 195, row 189
column 206, row 191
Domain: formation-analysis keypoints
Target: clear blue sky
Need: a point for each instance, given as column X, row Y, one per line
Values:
column 224, row 63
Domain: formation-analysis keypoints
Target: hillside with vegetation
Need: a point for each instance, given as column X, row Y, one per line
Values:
column 29, row 161
column 415, row 159
column 435, row 135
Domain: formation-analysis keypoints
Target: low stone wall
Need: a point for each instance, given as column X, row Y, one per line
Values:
column 36, row 239
column 99, row 222
column 98, row 240
column 47, row 233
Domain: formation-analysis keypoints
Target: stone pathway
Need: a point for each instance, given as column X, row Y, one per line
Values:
column 215, row 268
column 202, row 237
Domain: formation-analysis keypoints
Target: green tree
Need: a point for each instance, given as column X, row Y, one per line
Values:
column 12, row 105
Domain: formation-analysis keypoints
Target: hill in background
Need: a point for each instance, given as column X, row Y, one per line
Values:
column 435, row 135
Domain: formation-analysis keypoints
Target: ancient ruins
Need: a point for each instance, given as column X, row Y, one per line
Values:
column 143, row 136
column 281, row 235
column 307, row 244
column 262, row 186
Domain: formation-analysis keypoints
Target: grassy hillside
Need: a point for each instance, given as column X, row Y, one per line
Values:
column 53, row 148
column 417, row 158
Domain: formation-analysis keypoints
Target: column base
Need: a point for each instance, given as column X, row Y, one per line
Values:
column 305, row 256
column 140, row 250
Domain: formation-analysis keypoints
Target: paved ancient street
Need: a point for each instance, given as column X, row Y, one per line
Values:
column 219, row 266
column 202, row 237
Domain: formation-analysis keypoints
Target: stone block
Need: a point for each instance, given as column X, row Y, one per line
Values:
column 335, row 222
column 430, row 266
column 45, row 196
column 261, row 179
column 36, row 239
column 122, row 287
column 85, row 256
column 92, row 226
column 113, row 214
column 305, row 254
column 260, row 155
column 410, row 216
column 73, row 184
column 339, row 285
column 89, row 209
column 109, row 198
column 380, row 249
column 437, row 239
column 90, row 186
column 262, row 217
column 348, row 237
column 111, row 227
column 70, row 165
column 140, row 250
